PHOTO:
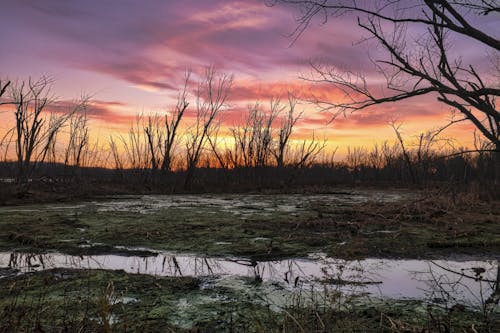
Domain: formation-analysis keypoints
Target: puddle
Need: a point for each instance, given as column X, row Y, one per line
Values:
column 469, row 282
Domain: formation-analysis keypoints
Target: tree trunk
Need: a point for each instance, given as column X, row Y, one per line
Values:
column 497, row 171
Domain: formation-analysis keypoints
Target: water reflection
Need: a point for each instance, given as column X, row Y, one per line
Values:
column 448, row 282
column 472, row 284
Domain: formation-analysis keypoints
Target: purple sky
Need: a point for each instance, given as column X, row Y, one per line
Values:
column 131, row 56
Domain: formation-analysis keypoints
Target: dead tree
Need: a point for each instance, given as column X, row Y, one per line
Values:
column 3, row 90
column 389, row 155
column 117, row 157
column 135, row 146
column 4, row 138
column 356, row 158
column 211, row 96
column 78, row 141
column 35, row 131
column 154, row 137
column 406, row 153
column 221, row 156
column 307, row 151
column 253, row 140
column 285, row 131
column 428, row 143
column 172, row 122
column 427, row 67
column 161, row 132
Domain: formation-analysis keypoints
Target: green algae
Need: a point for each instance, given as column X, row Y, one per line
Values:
column 259, row 227
column 73, row 300
column 113, row 301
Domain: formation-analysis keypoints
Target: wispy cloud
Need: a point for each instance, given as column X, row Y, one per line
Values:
column 108, row 112
column 149, row 44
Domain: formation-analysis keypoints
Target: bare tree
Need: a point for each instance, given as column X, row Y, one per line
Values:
column 253, row 140
column 3, row 89
column 406, row 153
column 136, row 147
column 154, row 137
column 307, row 151
column 285, row 131
column 35, row 132
column 326, row 159
column 3, row 139
column 211, row 96
column 356, row 158
column 428, row 67
column 115, row 153
column 389, row 154
column 78, row 141
column 221, row 156
column 131, row 151
column 161, row 133
column 375, row 158
column 172, row 122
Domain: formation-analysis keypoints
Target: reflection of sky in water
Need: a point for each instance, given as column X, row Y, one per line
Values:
column 386, row 278
column 379, row 277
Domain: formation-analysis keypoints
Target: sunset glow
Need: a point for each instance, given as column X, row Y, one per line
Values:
column 131, row 56
column 249, row 166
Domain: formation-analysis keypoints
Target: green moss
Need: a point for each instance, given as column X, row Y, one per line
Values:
column 258, row 227
column 113, row 301
column 58, row 300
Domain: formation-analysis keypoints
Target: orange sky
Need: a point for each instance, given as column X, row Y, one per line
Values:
column 131, row 57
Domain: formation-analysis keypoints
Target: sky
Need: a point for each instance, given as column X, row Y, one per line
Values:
column 131, row 57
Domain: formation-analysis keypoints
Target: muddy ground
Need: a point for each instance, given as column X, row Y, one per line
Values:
column 392, row 224
column 347, row 224
column 113, row 301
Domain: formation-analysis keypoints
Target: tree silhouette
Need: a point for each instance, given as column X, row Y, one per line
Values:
column 211, row 97
column 3, row 89
column 429, row 66
column 35, row 131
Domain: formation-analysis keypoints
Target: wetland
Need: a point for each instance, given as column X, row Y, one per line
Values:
column 356, row 260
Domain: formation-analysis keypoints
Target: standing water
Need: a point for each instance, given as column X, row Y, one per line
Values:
column 461, row 281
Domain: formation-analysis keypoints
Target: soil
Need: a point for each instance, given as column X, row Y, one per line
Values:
column 350, row 224
column 260, row 227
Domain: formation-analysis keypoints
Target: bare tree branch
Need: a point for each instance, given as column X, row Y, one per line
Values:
column 431, row 67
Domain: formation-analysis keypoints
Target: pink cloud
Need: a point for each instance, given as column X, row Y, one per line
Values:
column 107, row 112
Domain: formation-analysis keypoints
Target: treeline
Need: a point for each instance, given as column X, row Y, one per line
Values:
column 185, row 148
column 360, row 167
